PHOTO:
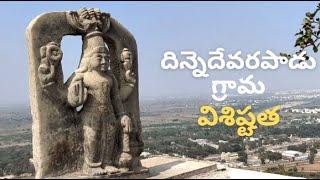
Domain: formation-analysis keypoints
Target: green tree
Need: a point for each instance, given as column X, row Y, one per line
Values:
column 243, row 157
column 312, row 154
column 309, row 34
column 262, row 155
column 301, row 147
column 273, row 156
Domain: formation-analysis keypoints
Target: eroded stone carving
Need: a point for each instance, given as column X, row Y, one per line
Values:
column 93, row 117
column 51, row 55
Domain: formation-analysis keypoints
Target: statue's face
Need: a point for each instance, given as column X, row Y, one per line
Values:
column 100, row 61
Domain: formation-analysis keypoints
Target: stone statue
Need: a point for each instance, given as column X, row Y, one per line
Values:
column 91, row 123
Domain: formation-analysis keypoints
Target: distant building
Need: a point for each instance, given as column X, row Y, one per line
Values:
column 223, row 142
column 253, row 139
column 294, row 155
column 306, row 111
column 229, row 157
column 145, row 154
column 203, row 142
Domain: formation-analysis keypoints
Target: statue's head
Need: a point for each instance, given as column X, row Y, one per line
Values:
column 126, row 58
column 97, row 60
column 95, row 53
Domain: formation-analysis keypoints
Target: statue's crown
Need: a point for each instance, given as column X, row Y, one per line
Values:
column 93, row 42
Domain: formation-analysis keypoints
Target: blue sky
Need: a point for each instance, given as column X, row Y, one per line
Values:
column 162, row 26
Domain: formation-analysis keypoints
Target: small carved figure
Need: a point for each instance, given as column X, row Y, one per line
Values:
column 51, row 55
column 126, row 60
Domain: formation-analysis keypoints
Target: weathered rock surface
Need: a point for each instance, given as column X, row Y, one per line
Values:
column 91, row 122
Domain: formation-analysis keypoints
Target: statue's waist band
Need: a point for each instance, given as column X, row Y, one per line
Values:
column 102, row 107
column 98, row 110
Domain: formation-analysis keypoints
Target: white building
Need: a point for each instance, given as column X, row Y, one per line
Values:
column 294, row 155
column 229, row 157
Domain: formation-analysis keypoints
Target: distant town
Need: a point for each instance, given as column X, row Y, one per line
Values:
column 170, row 127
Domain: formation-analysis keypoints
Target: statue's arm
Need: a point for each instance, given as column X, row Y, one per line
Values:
column 115, row 97
column 119, row 108
column 126, row 90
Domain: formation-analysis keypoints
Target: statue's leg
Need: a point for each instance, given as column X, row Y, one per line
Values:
column 136, row 149
column 92, row 145
column 125, row 160
column 109, row 149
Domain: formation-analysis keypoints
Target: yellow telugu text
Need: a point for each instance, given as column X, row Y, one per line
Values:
column 229, row 116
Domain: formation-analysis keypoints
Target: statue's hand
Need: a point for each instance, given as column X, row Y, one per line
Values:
column 54, row 53
column 77, row 93
column 130, row 77
column 46, row 75
column 126, row 124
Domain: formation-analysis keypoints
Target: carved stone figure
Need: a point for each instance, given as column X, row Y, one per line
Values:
column 91, row 123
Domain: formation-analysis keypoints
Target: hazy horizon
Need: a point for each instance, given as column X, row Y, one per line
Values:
column 162, row 26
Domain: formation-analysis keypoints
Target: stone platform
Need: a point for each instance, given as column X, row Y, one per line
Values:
column 167, row 167
column 157, row 167
column 139, row 174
